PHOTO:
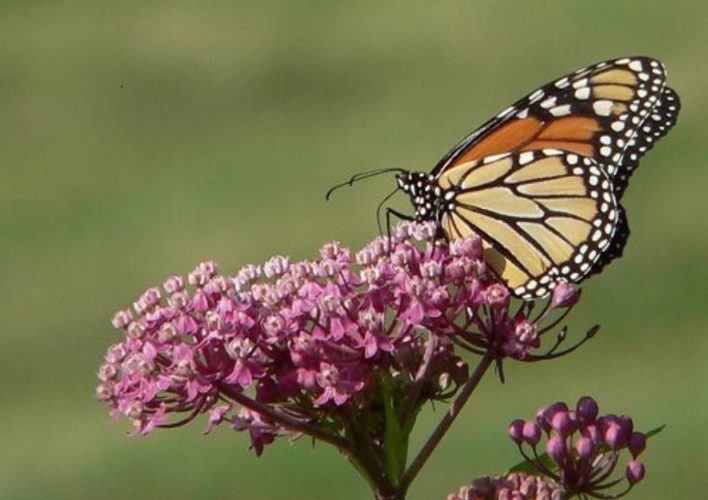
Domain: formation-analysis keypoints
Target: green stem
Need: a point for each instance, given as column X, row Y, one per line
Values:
column 395, row 442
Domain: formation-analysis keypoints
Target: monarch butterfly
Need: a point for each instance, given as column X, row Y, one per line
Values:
column 540, row 182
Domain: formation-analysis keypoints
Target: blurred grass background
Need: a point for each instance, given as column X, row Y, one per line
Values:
column 139, row 138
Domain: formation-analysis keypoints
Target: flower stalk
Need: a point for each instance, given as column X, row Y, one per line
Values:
column 445, row 422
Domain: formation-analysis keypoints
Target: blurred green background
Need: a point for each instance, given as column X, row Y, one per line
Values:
column 139, row 138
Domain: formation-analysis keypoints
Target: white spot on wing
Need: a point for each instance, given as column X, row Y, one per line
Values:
column 582, row 93
column 536, row 96
column 635, row 65
column 602, row 107
column 525, row 157
column 563, row 83
column 492, row 158
column 548, row 103
column 561, row 110
column 505, row 112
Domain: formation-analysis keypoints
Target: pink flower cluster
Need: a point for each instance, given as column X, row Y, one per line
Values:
column 306, row 347
column 584, row 448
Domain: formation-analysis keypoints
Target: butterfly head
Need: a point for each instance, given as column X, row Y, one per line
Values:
column 423, row 192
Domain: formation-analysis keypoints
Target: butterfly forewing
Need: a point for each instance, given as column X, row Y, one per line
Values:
column 597, row 112
column 657, row 124
column 544, row 216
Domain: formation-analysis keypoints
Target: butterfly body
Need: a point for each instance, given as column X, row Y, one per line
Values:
column 541, row 181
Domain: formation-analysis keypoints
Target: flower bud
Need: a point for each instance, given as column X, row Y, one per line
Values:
column 584, row 447
column 556, row 449
column 615, row 433
column 634, row 472
column 637, row 443
column 516, row 430
column 544, row 417
column 586, row 409
column 561, row 423
column 563, row 295
column 532, row 433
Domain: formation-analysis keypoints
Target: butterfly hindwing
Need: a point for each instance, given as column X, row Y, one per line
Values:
column 544, row 216
column 617, row 243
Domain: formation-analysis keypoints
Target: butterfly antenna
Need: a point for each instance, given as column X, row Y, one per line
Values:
column 360, row 177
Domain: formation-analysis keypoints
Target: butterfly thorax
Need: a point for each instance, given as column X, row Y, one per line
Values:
column 427, row 197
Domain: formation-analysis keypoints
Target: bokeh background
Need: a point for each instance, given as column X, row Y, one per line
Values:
column 139, row 138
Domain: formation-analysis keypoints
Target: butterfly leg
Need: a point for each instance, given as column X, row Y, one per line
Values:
column 380, row 207
column 390, row 212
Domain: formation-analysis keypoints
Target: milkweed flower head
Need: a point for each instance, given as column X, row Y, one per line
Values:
column 583, row 450
column 314, row 346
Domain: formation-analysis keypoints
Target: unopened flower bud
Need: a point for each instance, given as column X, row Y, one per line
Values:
column 634, row 472
column 584, row 447
column 532, row 433
column 516, row 431
column 544, row 416
column 586, row 409
column 556, row 449
column 564, row 295
column 637, row 443
column 616, row 433
column 561, row 423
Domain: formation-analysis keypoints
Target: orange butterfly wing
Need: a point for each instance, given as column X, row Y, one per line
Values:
column 606, row 112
